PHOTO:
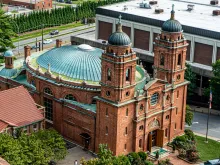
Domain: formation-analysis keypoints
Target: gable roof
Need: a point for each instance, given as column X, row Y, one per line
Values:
column 3, row 125
column 17, row 108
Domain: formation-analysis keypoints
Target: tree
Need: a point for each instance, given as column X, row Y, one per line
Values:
column 6, row 32
column 215, row 84
column 38, row 148
column 190, row 76
column 188, row 116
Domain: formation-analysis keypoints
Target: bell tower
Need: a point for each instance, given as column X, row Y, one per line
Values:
column 170, row 52
column 118, row 68
column 116, row 104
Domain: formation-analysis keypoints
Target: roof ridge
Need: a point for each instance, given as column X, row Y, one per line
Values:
column 9, row 123
column 4, row 91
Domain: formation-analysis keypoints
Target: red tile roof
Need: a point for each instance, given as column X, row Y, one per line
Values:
column 3, row 162
column 3, row 125
column 18, row 108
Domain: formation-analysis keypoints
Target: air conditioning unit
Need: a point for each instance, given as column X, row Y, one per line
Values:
column 153, row 2
column 145, row 5
column 216, row 12
column 158, row 11
column 190, row 7
column 125, row 7
column 214, row 2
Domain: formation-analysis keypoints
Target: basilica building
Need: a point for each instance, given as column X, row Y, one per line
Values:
column 95, row 96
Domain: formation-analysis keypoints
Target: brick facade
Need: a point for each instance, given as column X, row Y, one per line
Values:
column 126, row 119
column 37, row 5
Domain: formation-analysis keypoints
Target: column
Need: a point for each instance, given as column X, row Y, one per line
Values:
column 132, row 34
column 97, row 27
column 151, row 40
column 114, row 25
column 136, row 109
column 192, row 49
column 214, row 54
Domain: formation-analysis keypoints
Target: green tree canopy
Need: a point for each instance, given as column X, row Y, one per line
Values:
column 188, row 116
column 6, row 32
column 38, row 148
column 191, row 77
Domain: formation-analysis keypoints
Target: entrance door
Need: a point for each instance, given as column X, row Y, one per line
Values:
column 154, row 138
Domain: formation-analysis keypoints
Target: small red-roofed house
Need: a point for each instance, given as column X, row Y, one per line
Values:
column 19, row 111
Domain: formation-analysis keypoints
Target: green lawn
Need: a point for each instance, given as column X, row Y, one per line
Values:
column 46, row 31
column 208, row 151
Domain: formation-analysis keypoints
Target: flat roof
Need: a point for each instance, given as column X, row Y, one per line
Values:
column 200, row 17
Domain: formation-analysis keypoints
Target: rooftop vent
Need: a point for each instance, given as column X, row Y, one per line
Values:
column 145, row 5
column 190, row 7
column 158, row 11
column 125, row 7
column 216, row 12
column 214, row 2
column 153, row 2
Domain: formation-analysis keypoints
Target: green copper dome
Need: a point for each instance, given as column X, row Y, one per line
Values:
column 8, row 53
column 172, row 25
column 77, row 62
column 119, row 38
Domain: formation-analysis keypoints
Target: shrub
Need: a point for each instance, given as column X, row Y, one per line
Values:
column 165, row 162
column 133, row 156
column 157, row 155
column 147, row 162
column 179, row 141
column 189, row 134
column 142, row 155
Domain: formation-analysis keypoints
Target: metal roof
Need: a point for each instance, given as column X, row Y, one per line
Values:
column 76, row 62
column 198, row 22
column 8, row 72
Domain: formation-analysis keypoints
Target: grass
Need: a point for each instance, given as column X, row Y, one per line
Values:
column 208, row 151
column 37, row 33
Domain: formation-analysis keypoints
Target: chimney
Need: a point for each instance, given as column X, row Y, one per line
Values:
column 58, row 43
column 27, row 51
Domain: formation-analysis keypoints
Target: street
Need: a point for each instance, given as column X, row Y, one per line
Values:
column 64, row 35
column 200, row 124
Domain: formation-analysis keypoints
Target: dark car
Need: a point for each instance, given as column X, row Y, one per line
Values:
column 61, row 1
column 69, row 2
column 54, row 32
column 212, row 162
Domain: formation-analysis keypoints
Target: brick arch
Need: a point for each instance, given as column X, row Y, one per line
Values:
column 154, row 124
column 44, row 87
column 64, row 94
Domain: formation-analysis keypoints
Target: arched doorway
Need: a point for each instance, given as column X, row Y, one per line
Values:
column 86, row 140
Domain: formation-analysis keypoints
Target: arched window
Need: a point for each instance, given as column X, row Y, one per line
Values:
column 106, row 130
column 179, row 59
column 166, row 132
column 48, row 91
column 93, row 101
column 154, row 98
column 140, row 143
column 106, row 112
column 141, row 107
column 126, row 130
column 126, row 51
column 127, row 112
column 109, row 74
column 141, row 127
column 33, row 83
column 165, row 37
column 70, row 97
column 162, row 59
column 128, row 75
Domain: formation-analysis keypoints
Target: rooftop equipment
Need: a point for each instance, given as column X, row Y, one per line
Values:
column 145, row 5
column 190, row 7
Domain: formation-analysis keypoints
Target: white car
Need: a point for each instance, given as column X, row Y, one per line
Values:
column 47, row 41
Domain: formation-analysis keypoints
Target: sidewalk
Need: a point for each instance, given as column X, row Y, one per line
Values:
column 204, row 110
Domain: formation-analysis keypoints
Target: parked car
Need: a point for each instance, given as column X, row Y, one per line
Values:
column 35, row 47
column 69, row 2
column 61, row 1
column 47, row 41
column 54, row 32
column 212, row 162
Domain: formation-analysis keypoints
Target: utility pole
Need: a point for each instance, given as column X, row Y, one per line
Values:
column 210, row 106
column 36, row 44
column 42, row 31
